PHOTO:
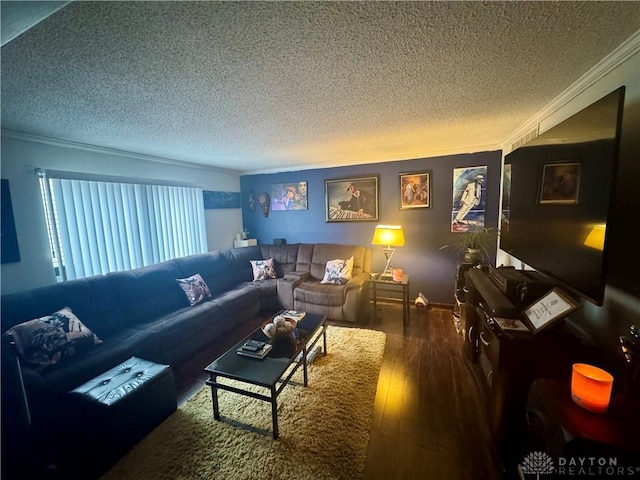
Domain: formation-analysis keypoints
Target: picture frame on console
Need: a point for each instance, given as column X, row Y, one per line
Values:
column 415, row 190
column 560, row 184
column 551, row 307
column 353, row 199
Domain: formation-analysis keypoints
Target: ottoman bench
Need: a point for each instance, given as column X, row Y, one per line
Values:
column 128, row 401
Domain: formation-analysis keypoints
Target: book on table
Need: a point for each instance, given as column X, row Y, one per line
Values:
column 253, row 345
column 293, row 315
column 260, row 353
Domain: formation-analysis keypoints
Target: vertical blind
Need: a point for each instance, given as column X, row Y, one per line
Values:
column 105, row 227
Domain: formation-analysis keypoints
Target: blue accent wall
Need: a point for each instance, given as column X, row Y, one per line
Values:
column 432, row 270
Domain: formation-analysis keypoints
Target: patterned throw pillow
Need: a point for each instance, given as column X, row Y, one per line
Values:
column 263, row 269
column 48, row 340
column 195, row 288
column 338, row 271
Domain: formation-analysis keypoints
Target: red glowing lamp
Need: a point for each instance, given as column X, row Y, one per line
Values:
column 591, row 387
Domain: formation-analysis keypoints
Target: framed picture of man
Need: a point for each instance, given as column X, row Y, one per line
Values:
column 560, row 184
column 469, row 192
column 289, row 196
column 352, row 199
column 415, row 190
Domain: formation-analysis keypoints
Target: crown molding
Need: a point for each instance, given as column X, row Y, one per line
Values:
column 605, row 66
column 110, row 151
column 370, row 161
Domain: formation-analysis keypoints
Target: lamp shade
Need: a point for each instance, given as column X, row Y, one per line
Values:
column 391, row 235
column 591, row 387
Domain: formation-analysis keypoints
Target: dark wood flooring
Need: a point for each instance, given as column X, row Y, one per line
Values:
column 429, row 420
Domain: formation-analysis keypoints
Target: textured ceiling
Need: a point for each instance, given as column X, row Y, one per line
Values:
column 253, row 86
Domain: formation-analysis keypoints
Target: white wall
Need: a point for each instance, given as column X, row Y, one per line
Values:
column 21, row 155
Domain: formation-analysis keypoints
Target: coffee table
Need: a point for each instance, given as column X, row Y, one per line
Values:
column 274, row 371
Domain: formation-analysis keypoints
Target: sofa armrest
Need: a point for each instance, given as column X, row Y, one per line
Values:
column 357, row 281
column 286, row 285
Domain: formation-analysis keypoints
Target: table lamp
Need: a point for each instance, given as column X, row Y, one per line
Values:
column 391, row 236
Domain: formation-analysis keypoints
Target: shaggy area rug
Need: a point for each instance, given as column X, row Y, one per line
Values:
column 324, row 428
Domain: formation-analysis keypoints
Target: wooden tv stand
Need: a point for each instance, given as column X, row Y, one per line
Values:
column 505, row 363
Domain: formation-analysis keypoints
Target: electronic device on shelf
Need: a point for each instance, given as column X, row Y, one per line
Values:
column 494, row 302
column 521, row 287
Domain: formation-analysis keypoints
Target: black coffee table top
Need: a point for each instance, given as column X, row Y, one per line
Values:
column 267, row 371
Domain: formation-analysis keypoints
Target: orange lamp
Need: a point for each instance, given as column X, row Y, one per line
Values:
column 591, row 387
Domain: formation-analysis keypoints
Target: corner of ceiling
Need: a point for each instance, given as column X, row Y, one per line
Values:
column 617, row 57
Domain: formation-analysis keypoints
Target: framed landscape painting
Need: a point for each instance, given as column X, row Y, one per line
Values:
column 415, row 190
column 353, row 199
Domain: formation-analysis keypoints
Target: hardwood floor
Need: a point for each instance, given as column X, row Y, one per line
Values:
column 429, row 421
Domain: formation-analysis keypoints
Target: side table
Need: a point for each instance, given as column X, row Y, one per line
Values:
column 391, row 287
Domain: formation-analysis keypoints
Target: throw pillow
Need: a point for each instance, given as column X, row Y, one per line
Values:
column 263, row 269
column 50, row 339
column 194, row 288
column 338, row 271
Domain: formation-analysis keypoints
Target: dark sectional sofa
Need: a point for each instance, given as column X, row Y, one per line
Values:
column 144, row 313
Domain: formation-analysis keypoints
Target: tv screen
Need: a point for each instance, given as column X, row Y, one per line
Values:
column 558, row 197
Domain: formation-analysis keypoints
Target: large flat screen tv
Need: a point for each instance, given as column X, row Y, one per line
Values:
column 558, row 199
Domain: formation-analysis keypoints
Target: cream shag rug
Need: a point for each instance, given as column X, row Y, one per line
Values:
column 324, row 428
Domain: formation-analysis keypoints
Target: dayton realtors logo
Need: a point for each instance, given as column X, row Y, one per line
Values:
column 540, row 463
column 537, row 463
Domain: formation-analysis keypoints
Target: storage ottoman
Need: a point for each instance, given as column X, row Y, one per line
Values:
column 127, row 402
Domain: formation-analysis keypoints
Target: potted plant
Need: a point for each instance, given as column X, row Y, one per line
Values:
column 473, row 246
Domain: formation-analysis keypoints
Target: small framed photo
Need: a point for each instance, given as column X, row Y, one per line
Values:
column 512, row 325
column 353, row 199
column 560, row 184
column 550, row 308
column 415, row 190
column 289, row 196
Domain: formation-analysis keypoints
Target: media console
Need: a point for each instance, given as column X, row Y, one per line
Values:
column 506, row 362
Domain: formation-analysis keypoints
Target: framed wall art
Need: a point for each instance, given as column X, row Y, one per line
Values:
column 354, row 199
column 9, row 250
column 216, row 200
column 469, row 192
column 505, row 213
column 289, row 196
column 415, row 190
column 560, row 184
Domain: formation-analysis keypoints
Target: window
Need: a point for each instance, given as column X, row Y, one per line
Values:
column 97, row 227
